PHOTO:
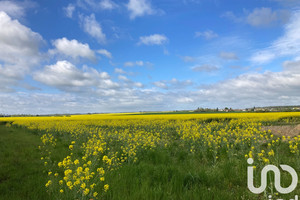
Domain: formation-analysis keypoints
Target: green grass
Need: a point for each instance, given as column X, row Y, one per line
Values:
column 21, row 171
column 160, row 175
column 164, row 174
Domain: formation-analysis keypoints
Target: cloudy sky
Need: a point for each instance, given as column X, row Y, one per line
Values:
column 147, row 55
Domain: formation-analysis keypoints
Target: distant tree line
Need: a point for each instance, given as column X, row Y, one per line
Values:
column 206, row 110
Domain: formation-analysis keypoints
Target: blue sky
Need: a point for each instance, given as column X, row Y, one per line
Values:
column 147, row 55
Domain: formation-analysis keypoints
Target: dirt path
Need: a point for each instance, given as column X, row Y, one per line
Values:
column 286, row 130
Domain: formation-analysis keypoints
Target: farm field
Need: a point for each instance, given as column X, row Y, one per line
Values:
column 132, row 156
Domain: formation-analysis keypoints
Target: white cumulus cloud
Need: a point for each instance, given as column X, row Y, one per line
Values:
column 258, row 89
column 266, row 16
column 155, row 39
column 108, row 5
column 97, row 5
column 15, row 9
column 185, row 100
column 188, row 58
column 119, row 71
column 105, row 53
column 208, row 34
column 17, row 42
column 93, row 28
column 173, row 84
column 139, row 8
column 260, row 17
column 228, row 55
column 137, row 63
column 69, row 10
column 72, row 48
column 204, row 68
column 19, row 51
column 286, row 45
column 67, row 77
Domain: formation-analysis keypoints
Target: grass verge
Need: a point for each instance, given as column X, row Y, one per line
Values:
column 21, row 171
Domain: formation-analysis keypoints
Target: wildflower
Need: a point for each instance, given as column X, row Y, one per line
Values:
column 105, row 158
column 86, row 191
column 95, row 194
column 83, row 185
column 250, row 154
column 266, row 160
column 67, row 172
column 101, row 171
column 48, row 183
column 69, row 183
column 77, row 182
column 271, row 153
column 106, row 187
column 76, row 162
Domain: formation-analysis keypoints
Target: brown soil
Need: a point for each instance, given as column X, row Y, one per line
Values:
column 286, row 130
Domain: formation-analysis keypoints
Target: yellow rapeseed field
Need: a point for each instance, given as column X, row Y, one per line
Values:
column 100, row 143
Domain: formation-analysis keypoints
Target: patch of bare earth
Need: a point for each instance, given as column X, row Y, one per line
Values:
column 286, row 130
